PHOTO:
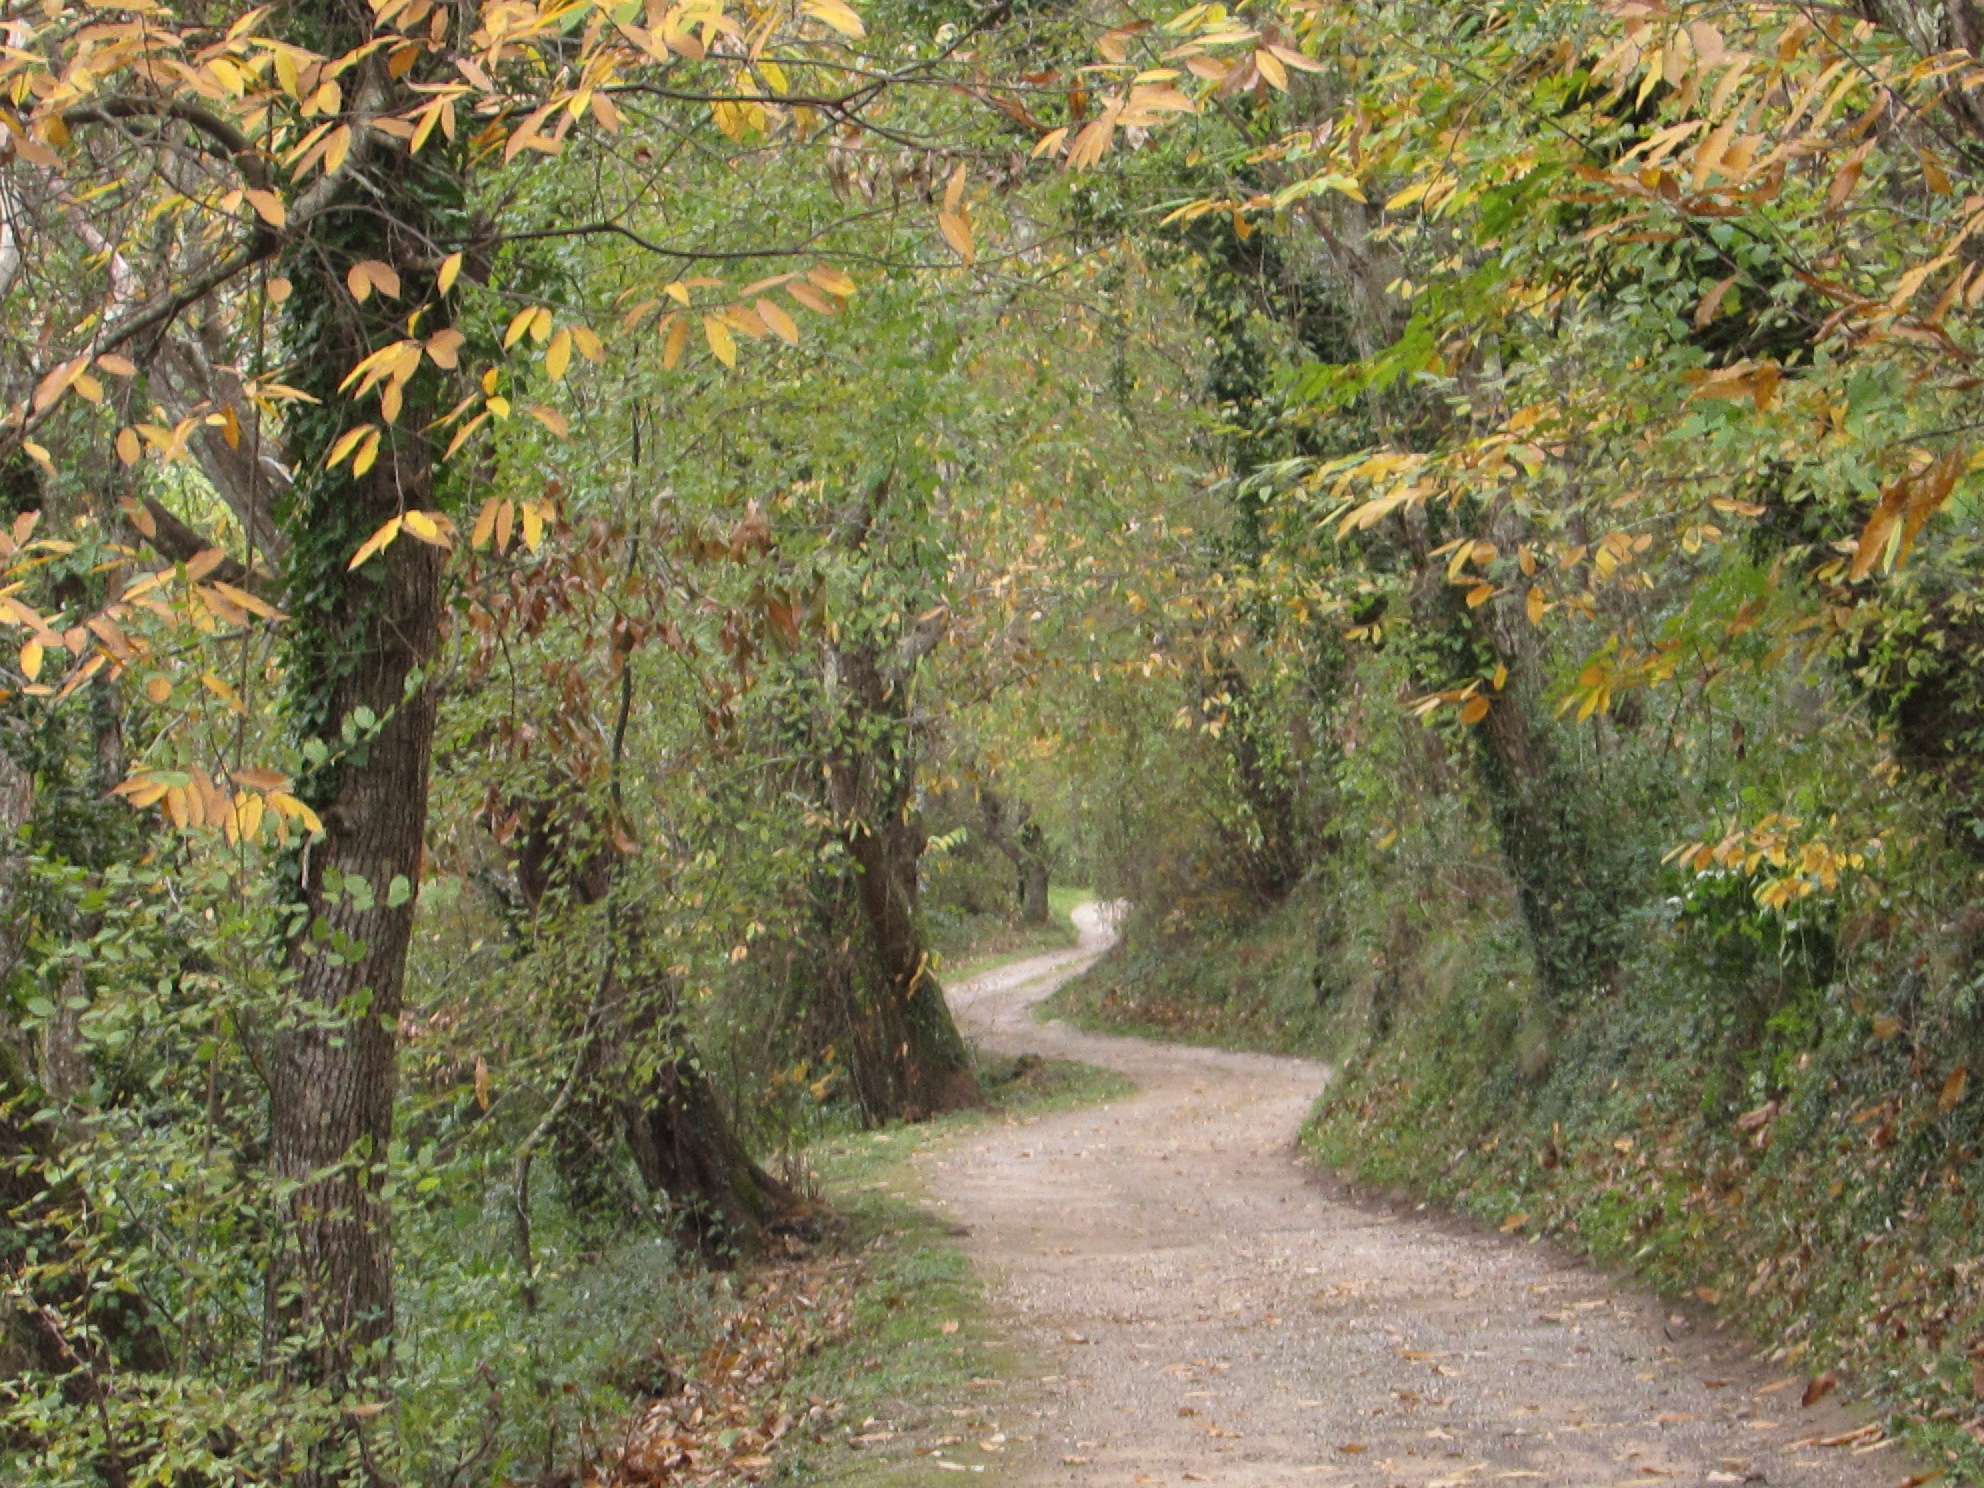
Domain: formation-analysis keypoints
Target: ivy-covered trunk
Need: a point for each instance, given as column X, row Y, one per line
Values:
column 359, row 642
column 1572, row 883
column 903, row 1051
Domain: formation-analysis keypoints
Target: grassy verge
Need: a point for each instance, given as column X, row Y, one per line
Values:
column 986, row 946
column 920, row 1374
column 1248, row 987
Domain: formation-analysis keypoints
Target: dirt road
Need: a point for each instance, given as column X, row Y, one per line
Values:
column 1195, row 1306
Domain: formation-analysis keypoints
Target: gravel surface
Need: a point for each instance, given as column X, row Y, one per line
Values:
column 1196, row 1303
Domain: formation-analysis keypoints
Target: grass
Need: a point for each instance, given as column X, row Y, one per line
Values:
column 1249, row 988
column 1003, row 943
column 898, row 1377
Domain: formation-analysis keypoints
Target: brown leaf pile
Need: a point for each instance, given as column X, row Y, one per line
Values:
column 724, row 1424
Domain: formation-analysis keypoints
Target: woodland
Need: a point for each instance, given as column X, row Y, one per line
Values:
column 566, row 562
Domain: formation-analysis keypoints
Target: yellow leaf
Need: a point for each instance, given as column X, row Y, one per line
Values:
column 533, row 524
column 368, row 453
column 268, row 206
column 444, row 348
column 57, row 382
column 831, row 279
column 1712, row 301
column 288, row 805
column 1953, row 1089
column 821, row 304
column 588, row 344
column 954, row 191
column 838, row 14
column 31, row 655
column 346, row 443
column 505, row 515
column 485, row 524
column 242, row 599
column 782, row 325
column 1091, row 144
column 158, row 687
column 1051, row 142
column 1474, row 709
column 722, row 344
column 376, row 543
column 148, row 794
column 430, row 527
column 1271, row 68
column 464, row 434
column 116, row 365
column 957, row 232
column 128, row 448
column 551, row 418
column 336, row 147
column 451, row 268
column 519, row 323
column 558, row 355
column 222, row 691
column 247, row 821
column 540, row 324
column 259, row 778
column 674, row 341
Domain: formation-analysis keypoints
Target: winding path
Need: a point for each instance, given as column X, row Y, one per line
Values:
column 1196, row 1305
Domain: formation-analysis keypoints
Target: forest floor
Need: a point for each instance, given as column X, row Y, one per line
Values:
column 1184, row 1299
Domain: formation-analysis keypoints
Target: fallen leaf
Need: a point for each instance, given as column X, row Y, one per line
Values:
column 1821, row 1386
column 1353, row 1447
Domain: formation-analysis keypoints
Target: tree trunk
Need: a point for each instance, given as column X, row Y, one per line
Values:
column 1033, row 877
column 687, row 1151
column 1009, row 827
column 722, row 1203
column 357, row 648
column 1570, row 895
column 904, row 1052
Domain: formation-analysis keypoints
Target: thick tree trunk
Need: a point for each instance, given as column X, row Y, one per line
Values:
column 721, row 1203
column 359, row 642
column 688, row 1153
column 1570, row 898
column 904, row 1052
column 333, row 1067
column 1009, row 827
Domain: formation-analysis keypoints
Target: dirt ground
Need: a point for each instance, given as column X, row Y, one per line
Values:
column 1198, row 1304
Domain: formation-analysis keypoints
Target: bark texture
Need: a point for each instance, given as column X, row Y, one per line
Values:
column 358, row 645
column 886, row 1009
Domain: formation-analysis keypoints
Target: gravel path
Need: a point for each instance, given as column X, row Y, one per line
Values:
column 1196, row 1305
